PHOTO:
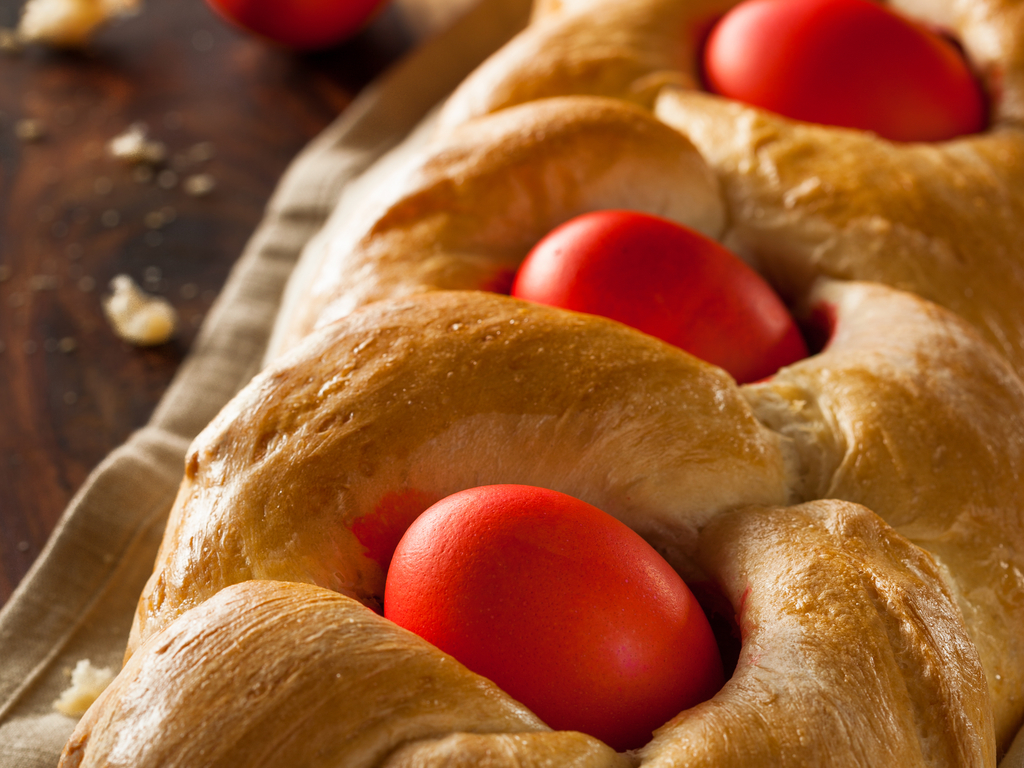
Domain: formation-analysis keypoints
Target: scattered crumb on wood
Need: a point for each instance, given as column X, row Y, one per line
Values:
column 10, row 40
column 29, row 129
column 137, row 317
column 200, row 184
column 134, row 146
column 69, row 23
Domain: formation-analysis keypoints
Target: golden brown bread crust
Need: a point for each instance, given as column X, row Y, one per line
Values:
column 406, row 401
column 943, row 220
column 469, row 207
column 629, row 49
column 835, row 608
column 868, row 640
column 348, row 685
column 909, row 414
column 624, row 49
column 851, row 613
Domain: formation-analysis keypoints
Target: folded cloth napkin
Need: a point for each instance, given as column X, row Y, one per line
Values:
column 78, row 600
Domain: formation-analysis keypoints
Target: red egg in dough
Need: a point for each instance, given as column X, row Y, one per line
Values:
column 667, row 281
column 561, row 605
column 850, row 63
column 299, row 24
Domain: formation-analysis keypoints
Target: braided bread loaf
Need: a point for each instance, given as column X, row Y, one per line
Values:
column 859, row 511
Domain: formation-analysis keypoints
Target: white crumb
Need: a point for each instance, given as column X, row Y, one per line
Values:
column 87, row 683
column 69, row 23
column 136, row 316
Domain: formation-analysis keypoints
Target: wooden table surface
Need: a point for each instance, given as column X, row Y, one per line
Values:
column 72, row 217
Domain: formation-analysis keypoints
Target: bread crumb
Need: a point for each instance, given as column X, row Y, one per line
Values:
column 138, row 317
column 87, row 683
column 69, row 23
column 10, row 40
column 134, row 146
column 200, row 184
column 29, row 129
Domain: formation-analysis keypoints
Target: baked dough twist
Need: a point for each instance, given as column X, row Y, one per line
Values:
column 943, row 220
column 466, row 211
column 317, row 466
column 860, row 512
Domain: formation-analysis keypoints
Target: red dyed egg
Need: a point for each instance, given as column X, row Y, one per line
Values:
column 299, row 24
column 561, row 605
column 667, row 281
column 851, row 63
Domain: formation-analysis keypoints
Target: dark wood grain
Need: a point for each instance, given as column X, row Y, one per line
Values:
column 71, row 218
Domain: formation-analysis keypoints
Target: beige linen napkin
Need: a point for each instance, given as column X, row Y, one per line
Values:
column 78, row 600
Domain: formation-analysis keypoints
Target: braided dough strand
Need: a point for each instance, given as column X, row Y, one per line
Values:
column 835, row 608
column 951, row 483
column 623, row 49
column 888, row 628
column 943, row 220
column 408, row 401
column 352, row 687
column 312, row 474
column 469, row 207
column 347, row 686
